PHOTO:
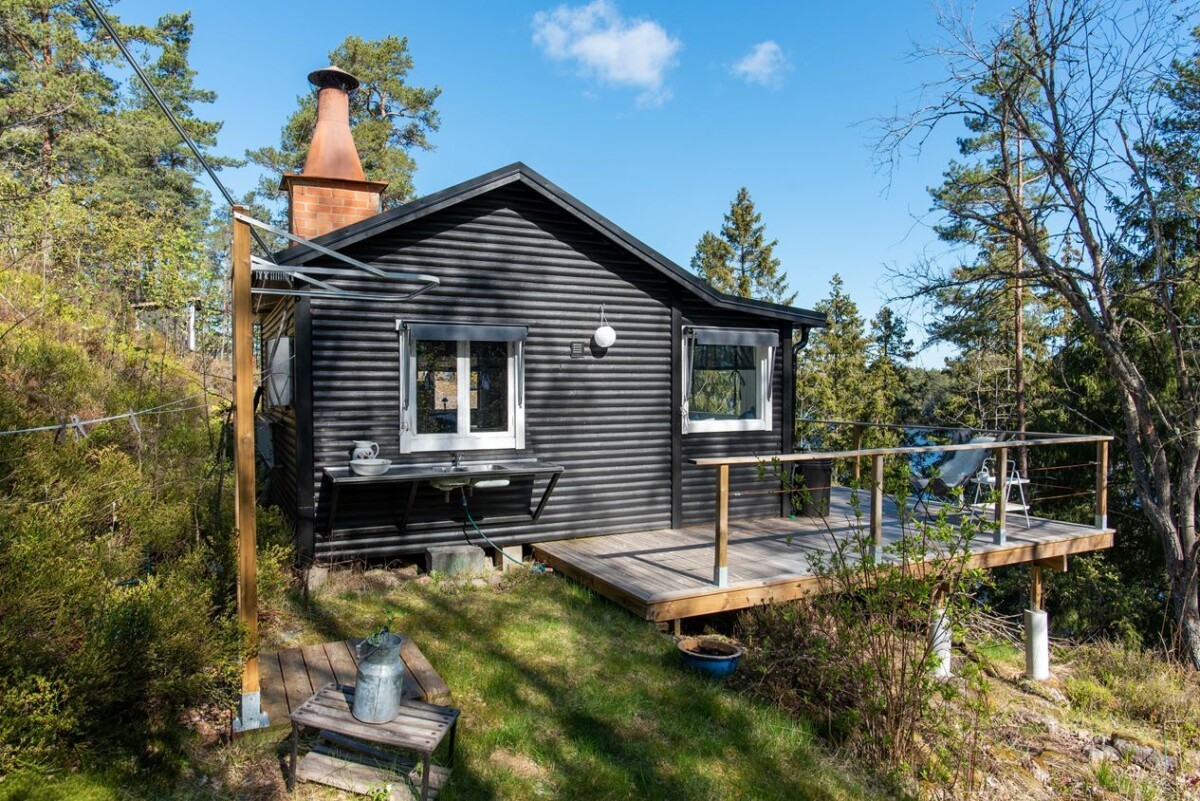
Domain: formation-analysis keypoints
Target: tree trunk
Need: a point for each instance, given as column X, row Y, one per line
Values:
column 1187, row 607
column 1019, row 327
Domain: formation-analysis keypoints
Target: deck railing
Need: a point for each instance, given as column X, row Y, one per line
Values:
column 1000, row 451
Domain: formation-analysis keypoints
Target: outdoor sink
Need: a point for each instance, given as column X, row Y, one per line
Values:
column 469, row 475
column 471, row 468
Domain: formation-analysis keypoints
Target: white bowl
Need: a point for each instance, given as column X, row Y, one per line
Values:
column 370, row 467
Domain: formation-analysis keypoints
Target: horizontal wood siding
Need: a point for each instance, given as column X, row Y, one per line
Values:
column 750, row 496
column 507, row 257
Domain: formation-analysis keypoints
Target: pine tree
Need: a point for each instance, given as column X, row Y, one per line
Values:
column 740, row 261
column 831, row 374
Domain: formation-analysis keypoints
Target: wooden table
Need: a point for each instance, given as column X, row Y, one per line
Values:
column 419, row 727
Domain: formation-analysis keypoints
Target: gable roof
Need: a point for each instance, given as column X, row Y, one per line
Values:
column 518, row 173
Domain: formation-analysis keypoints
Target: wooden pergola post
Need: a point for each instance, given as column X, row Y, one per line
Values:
column 1001, row 535
column 877, row 505
column 251, row 714
column 721, row 564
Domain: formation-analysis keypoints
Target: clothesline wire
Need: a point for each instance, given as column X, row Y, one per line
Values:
column 161, row 409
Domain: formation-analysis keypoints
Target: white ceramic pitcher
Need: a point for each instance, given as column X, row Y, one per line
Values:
column 365, row 449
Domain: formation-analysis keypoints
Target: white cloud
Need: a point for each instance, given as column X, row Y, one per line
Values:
column 609, row 47
column 764, row 65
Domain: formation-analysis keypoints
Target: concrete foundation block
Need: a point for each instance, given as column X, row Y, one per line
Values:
column 1037, row 645
column 455, row 560
column 503, row 558
column 316, row 577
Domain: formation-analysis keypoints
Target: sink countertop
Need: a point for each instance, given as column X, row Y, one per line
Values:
column 399, row 473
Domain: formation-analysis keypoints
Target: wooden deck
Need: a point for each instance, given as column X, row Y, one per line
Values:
column 667, row 574
column 291, row 677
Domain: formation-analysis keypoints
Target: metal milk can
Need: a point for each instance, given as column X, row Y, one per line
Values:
column 380, row 679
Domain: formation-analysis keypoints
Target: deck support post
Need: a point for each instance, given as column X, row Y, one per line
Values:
column 721, row 564
column 856, row 444
column 1101, row 485
column 1037, row 630
column 877, row 505
column 251, row 715
column 1000, row 537
column 940, row 641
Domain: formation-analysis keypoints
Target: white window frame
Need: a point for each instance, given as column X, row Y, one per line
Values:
column 765, row 357
column 513, row 438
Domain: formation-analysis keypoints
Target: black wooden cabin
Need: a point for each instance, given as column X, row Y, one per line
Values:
column 498, row 363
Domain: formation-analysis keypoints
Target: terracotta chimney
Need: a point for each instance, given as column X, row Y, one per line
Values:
column 332, row 192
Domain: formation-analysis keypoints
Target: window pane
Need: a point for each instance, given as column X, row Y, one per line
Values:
column 437, row 387
column 489, row 386
column 724, row 383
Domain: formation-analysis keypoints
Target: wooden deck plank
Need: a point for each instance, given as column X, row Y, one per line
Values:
column 432, row 687
column 341, row 658
column 667, row 573
column 320, row 672
column 297, row 687
column 273, row 695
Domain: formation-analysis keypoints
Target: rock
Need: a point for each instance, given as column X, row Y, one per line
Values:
column 495, row 580
column 1104, row 753
column 455, row 560
column 406, row 572
column 422, row 580
column 1144, row 755
column 379, row 579
column 479, row 582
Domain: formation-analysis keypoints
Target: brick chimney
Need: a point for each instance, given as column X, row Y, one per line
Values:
column 332, row 192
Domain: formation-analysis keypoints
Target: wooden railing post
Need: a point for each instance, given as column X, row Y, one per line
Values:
column 1035, row 587
column 856, row 445
column 251, row 714
column 1001, row 535
column 721, row 565
column 1101, row 485
column 877, row 505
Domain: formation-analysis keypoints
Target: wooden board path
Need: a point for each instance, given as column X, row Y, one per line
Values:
column 290, row 677
column 667, row 574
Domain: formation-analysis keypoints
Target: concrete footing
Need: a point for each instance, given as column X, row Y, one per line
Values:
column 455, row 560
column 1037, row 645
column 507, row 558
column 939, row 643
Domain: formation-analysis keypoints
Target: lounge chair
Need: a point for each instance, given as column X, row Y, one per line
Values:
column 952, row 474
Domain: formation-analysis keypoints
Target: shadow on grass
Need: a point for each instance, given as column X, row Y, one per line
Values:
column 564, row 695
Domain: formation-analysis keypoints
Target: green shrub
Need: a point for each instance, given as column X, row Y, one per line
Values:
column 1089, row 696
column 857, row 660
column 116, row 602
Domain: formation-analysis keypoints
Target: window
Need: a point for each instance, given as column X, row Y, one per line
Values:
column 462, row 387
column 727, row 378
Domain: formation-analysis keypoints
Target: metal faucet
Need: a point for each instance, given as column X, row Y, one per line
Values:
column 456, row 460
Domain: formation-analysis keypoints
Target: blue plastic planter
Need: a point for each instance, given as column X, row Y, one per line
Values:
column 710, row 656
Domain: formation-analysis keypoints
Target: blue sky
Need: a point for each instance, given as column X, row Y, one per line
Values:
column 654, row 114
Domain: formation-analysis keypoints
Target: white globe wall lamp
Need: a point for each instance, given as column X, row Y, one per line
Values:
column 605, row 336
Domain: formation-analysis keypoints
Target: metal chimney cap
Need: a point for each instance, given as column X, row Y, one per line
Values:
column 333, row 77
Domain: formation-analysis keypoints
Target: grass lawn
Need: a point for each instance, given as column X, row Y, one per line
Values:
column 564, row 695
